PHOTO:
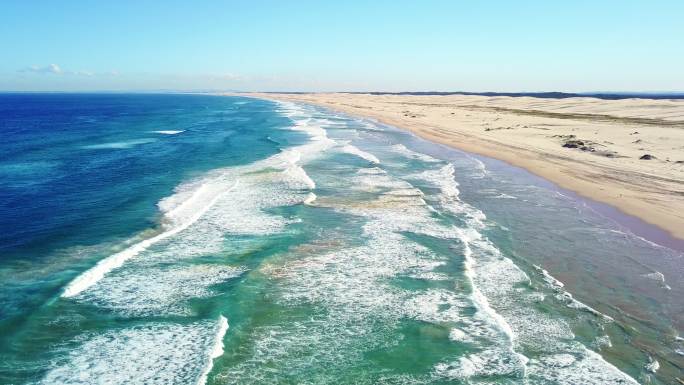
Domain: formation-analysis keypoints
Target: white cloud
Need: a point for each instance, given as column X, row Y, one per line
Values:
column 48, row 69
column 54, row 69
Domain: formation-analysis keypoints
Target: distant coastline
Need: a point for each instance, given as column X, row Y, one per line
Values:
column 608, row 95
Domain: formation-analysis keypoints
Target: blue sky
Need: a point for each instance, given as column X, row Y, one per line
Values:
column 506, row 45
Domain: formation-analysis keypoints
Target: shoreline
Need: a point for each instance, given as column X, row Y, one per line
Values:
column 652, row 207
column 635, row 225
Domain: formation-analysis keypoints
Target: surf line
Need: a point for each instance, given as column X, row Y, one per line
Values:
column 91, row 276
column 216, row 349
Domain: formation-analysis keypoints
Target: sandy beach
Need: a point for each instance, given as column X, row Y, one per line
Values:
column 626, row 153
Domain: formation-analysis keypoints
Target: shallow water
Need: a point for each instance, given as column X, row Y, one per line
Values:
column 227, row 240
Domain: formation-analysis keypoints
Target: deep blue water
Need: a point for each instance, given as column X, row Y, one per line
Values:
column 81, row 173
column 78, row 169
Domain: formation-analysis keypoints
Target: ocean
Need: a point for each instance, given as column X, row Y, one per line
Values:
column 201, row 239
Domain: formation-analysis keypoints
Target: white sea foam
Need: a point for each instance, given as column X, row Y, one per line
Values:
column 371, row 125
column 549, row 279
column 299, row 177
column 158, row 353
column 658, row 276
column 168, row 132
column 152, row 290
column 572, row 369
column 456, row 334
column 652, row 366
column 217, row 350
column 489, row 362
column 437, row 306
column 310, row 199
column 474, row 361
column 505, row 196
column 565, row 296
column 602, row 342
column 351, row 149
column 480, row 167
column 405, row 151
column 119, row 145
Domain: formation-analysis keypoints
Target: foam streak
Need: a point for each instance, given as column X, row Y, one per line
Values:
column 217, row 349
column 97, row 272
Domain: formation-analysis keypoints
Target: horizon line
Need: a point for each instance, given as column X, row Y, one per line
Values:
column 541, row 94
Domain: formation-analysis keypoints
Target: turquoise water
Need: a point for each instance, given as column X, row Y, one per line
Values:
column 226, row 240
